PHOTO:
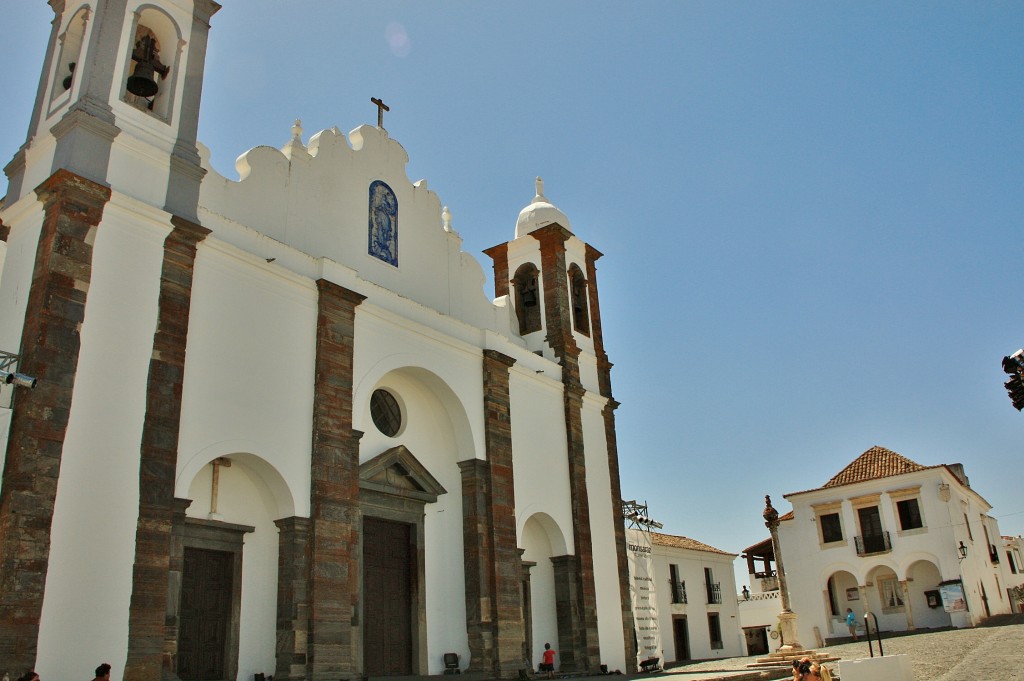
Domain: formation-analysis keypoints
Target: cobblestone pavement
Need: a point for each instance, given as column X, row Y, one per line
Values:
column 981, row 653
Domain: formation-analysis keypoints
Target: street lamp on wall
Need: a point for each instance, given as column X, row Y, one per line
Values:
column 746, row 593
column 962, row 550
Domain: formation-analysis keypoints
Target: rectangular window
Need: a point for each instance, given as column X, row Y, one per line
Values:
column 967, row 524
column 714, row 589
column 910, row 514
column 678, row 586
column 1009, row 561
column 831, row 528
column 715, row 631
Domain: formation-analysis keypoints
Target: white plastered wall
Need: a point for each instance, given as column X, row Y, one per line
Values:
column 602, row 530
column 89, row 578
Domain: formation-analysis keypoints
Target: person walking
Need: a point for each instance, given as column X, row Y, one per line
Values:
column 851, row 623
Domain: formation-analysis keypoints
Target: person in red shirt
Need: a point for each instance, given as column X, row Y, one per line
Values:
column 548, row 664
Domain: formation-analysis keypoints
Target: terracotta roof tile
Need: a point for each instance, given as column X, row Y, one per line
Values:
column 684, row 543
column 877, row 462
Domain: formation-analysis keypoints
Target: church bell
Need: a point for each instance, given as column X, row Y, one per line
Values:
column 141, row 83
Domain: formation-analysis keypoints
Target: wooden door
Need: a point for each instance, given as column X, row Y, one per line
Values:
column 681, row 637
column 205, row 614
column 388, row 569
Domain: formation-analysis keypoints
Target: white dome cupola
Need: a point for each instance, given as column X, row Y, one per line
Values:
column 539, row 213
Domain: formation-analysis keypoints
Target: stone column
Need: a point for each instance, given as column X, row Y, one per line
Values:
column 148, row 647
column 292, row 598
column 787, row 618
column 336, row 520
column 905, row 588
column 50, row 344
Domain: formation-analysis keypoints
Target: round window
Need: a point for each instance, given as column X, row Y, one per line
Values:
column 385, row 412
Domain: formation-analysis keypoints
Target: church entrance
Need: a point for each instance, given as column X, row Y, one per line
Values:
column 388, row 564
column 205, row 615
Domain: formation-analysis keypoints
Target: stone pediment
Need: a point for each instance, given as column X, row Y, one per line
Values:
column 397, row 472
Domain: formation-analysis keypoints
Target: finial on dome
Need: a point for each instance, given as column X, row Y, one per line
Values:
column 297, row 130
column 446, row 219
column 540, row 191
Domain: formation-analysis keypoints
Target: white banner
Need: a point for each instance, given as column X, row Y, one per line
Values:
column 644, row 595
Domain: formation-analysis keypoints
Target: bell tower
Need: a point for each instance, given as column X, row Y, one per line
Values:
column 118, row 100
column 549, row 276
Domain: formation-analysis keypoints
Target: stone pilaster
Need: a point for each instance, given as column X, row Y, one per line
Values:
column 604, row 367
column 50, row 344
column 571, row 632
column 558, row 319
column 622, row 562
column 499, row 257
column 494, row 584
column 478, row 555
column 557, row 302
column 527, row 597
column 336, row 519
column 174, row 578
column 292, row 598
column 148, row 648
column 604, row 382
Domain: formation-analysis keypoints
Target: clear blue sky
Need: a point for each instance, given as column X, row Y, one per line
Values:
column 811, row 212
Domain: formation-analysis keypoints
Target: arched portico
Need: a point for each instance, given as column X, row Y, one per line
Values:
column 842, row 592
column 923, row 579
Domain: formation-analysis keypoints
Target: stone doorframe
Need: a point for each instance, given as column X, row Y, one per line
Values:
column 213, row 535
column 395, row 486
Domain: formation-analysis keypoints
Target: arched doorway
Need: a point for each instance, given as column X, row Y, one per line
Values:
column 542, row 540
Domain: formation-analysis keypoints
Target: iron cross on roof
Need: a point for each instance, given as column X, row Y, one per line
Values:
column 381, row 108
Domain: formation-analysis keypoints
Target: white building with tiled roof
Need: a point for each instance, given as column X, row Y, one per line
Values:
column 913, row 545
column 696, row 599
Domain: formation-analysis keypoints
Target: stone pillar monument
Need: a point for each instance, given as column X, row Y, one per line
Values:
column 787, row 619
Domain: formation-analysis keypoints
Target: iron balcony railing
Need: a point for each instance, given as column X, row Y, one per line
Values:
column 678, row 591
column 714, row 592
column 873, row 543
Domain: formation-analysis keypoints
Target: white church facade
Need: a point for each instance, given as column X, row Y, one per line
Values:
column 279, row 427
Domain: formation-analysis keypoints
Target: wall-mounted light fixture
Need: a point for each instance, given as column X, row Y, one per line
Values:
column 746, row 593
column 962, row 550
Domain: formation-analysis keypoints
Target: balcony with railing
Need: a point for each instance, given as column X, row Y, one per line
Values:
column 869, row 544
column 714, row 592
column 678, row 591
